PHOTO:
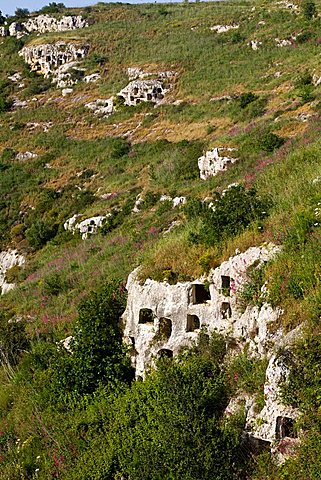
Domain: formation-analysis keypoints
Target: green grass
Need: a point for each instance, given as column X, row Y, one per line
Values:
column 90, row 156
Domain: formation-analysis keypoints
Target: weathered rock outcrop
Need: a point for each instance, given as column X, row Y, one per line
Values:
column 47, row 58
column 143, row 91
column 46, row 23
column 23, row 156
column 102, row 106
column 224, row 28
column 88, row 226
column 9, row 259
column 215, row 161
column 16, row 30
column 135, row 73
column 162, row 318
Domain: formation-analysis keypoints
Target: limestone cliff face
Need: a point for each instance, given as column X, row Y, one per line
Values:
column 45, row 24
column 47, row 58
column 161, row 318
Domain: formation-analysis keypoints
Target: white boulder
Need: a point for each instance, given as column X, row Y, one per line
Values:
column 224, row 28
column 9, row 259
column 88, row 226
column 215, row 161
column 102, row 106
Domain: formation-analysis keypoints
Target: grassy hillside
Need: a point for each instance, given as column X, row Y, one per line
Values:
column 266, row 104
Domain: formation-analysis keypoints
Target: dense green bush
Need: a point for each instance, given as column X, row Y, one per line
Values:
column 233, row 212
column 246, row 98
column 5, row 104
column 53, row 7
column 174, row 420
column 309, row 9
column 40, row 233
column 98, row 355
column 13, row 339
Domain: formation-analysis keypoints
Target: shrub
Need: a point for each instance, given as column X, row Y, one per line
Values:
column 53, row 7
column 234, row 211
column 175, row 419
column 251, row 291
column 13, row 339
column 309, row 9
column 246, row 98
column 5, row 104
column 40, row 233
column 98, row 354
column 304, row 37
column 21, row 13
column 268, row 141
column 13, row 274
column 54, row 284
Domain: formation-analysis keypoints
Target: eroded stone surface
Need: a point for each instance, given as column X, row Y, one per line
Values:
column 255, row 44
column 215, row 161
column 189, row 307
column 102, row 106
column 88, row 226
column 47, row 58
column 94, row 77
column 46, row 23
column 9, row 259
column 139, row 91
column 23, row 156
column 224, row 28
column 282, row 42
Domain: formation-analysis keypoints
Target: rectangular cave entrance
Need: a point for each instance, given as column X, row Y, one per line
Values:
column 146, row 316
column 200, row 293
column 226, row 310
column 193, row 323
column 284, row 428
column 226, row 285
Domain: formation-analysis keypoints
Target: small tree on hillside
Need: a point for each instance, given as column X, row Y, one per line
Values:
column 21, row 13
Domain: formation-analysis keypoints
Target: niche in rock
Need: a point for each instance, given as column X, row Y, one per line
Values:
column 226, row 285
column 165, row 327
column 193, row 323
column 165, row 353
column 146, row 316
column 200, row 294
column 284, row 428
column 226, row 311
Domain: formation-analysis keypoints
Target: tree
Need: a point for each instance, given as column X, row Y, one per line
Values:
column 171, row 425
column 53, row 7
column 21, row 13
column 98, row 357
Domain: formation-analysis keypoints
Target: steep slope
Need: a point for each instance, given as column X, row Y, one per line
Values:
column 169, row 137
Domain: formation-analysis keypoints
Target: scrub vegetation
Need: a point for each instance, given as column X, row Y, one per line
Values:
column 79, row 413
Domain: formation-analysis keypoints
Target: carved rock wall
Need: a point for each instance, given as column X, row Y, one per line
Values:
column 47, row 58
column 162, row 318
